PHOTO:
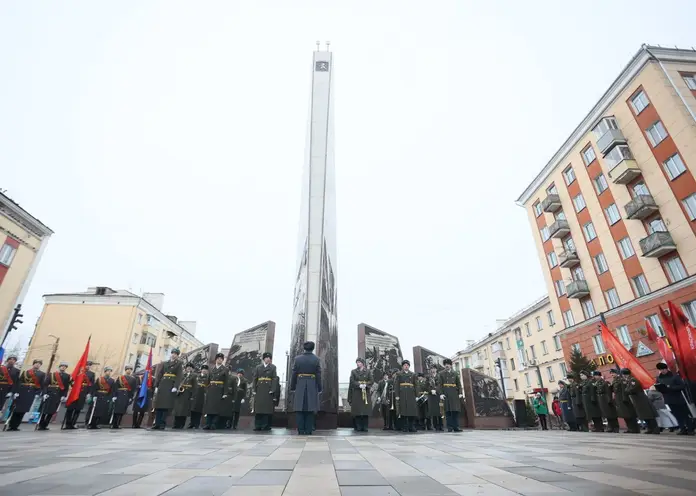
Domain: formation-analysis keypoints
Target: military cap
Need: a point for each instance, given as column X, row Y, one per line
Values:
column 240, row 371
column 420, row 374
column 571, row 375
column 188, row 364
column 584, row 372
column 596, row 373
column 615, row 370
column 63, row 364
column 561, row 382
column 176, row 350
column 447, row 361
column 661, row 366
column 308, row 346
column 107, row 369
column 219, row 355
column 128, row 367
column 11, row 357
column 37, row 360
column 89, row 363
column 405, row 362
column 267, row 354
column 360, row 359
column 625, row 371
column 204, row 367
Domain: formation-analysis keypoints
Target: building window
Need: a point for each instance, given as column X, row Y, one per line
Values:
column 613, row 215
column 557, row 343
column 690, row 310
column 533, row 352
column 560, row 288
column 579, row 202
column 544, row 348
column 537, row 209
column 589, row 231
column 527, row 329
column 569, row 175
column 569, row 244
column 674, row 166
column 617, row 155
column 549, row 373
column 626, row 248
column 656, row 133
column 675, row 269
column 512, row 363
column 540, row 325
column 588, row 155
column 640, row 189
column 656, row 324
column 588, row 308
column 640, row 285
column 545, row 233
column 624, row 336
column 517, row 386
column 7, row 253
column 564, row 369
column 656, row 225
column 135, row 338
column 600, row 264
column 604, row 125
column 690, row 206
column 568, row 318
column 551, row 190
column 612, row 298
column 600, row 183
column 507, row 343
column 140, row 318
column 690, row 80
column 553, row 260
column 466, row 363
column 485, row 354
column 598, row 344
column 552, row 320
column 526, row 378
column 576, row 348
column 639, row 102
column 559, row 215
column 578, row 274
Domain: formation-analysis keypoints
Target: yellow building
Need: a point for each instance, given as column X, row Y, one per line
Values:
column 529, row 350
column 23, row 239
column 123, row 327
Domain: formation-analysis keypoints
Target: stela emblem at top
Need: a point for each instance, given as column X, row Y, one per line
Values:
column 321, row 66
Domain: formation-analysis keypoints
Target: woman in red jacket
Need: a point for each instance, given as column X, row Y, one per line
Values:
column 556, row 408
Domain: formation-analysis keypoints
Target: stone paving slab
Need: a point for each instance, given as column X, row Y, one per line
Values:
column 151, row 463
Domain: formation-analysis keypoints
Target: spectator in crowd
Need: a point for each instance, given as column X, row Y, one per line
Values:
column 672, row 388
column 542, row 410
column 557, row 413
column 665, row 419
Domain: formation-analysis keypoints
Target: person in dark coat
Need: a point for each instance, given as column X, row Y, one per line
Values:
column 9, row 375
column 102, row 400
column 184, row 397
column 167, row 382
column 590, row 401
column 216, row 392
column 56, row 388
column 29, row 385
column 306, row 386
column 227, row 411
column 139, row 409
column 432, row 411
column 359, row 394
column 264, row 393
column 240, row 393
column 125, row 389
column 622, row 400
column 672, row 388
column 606, row 401
column 406, row 394
column 451, row 393
column 566, row 403
column 199, row 398
column 385, row 393
column 640, row 402
column 72, row 411
column 576, row 401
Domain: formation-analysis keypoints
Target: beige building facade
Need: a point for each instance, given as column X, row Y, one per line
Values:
column 123, row 327
column 23, row 240
column 525, row 350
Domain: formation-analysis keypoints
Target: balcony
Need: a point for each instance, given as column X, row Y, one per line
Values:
column 609, row 140
column 624, row 172
column 577, row 289
column 640, row 207
column 657, row 244
column 498, row 353
column 559, row 229
column 568, row 259
column 552, row 203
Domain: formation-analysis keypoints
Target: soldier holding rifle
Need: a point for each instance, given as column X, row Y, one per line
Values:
column 57, row 385
column 451, row 394
column 359, row 396
column 125, row 389
column 29, row 385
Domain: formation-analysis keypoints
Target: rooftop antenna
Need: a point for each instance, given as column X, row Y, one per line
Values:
column 318, row 47
column 328, row 45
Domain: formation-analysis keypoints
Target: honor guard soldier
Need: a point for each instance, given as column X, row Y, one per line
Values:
column 184, row 398
column 451, row 394
column 216, row 393
column 306, row 384
column 624, row 407
column 29, row 385
column 227, row 411
column 433, row 413
column 640, row 401
column 9, row 375
column 102, row 400
column 578, row 405
column 73, row 410
column 199, row 398
column 606, row 401
column 359, row 395
column 405, row 390
column 125, row 389
column 385, row 398
column 56, row 387
column 263, row 389
column 141, row 407
column 168, row 379
column 590, row 401
column 240, row 392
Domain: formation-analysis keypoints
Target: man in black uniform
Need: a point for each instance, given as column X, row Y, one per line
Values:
column 199, row 398
column 125, row 389
column 73, row 409
column 433, row 413
column 101, row 400
column 9, row 375
column 56, row 387
column 239, row 397
column 385, row 388
column 306, row 384
column 27, row 388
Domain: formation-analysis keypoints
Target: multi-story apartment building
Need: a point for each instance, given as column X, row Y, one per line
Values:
column 525, row 351
column 614, row 211
column 123, row 327
column 23, row 239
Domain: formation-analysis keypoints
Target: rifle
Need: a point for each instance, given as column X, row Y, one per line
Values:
column 41, row 410
column 10, row 411
column 94, row 407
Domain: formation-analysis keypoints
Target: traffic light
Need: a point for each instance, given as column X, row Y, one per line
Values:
column 16, row 319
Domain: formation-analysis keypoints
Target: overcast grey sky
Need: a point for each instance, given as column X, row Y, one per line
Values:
column 163, row 143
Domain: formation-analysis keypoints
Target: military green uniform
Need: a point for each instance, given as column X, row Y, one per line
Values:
column 624, row 407
column 167, row 381
column 405, row 388
column 641, row 403
column 198, row 401
column 590, row 401
column 217, row 388
column 451, row 388
column 359, row 397
column 263, row 388
column 606, row 403
column 578, row 406
column 227, row 410
column 184, row 400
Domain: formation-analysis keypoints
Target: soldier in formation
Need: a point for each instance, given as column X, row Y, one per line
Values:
column 264, row 390
column 590, row 401
column 125, row 389
column 435, row 410
column 641, row 403
column 216, row 392
column 359, row 395
column 56, row 392
column 240, row 392
column 185, row 395
column 385, row 399
column 606, row 401
column 225, row 418
column 29, row 386
column 577, row 403
column 405, row 391
column 9, row 375
column 141, row 405
column 167, row 381
column 73, row 409
column 451, row 395
column 566, row 401
column 198, row 402
column 102, row 399
column 622, row 401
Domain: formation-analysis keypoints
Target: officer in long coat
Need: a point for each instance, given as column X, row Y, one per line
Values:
column 240, row 393
column 184, row 398
column 359, row 395
column 622, row 400
column 606, row 401
column 433, row 416
column 56, row 388
column 216, row 392
column 102, row 400
column 9, row 375
column 566, row 402
column 125, row 389
column 167, row 382
column 72, row 411
column 263, row 389
column 227, row 412
column 29, row 385
column 199, row 398
column 385, row 398
column 306, row 384
column 640, row 402
column 578, row 405
column 590, row 401
column 451, row 393
column 405, row 390
column 139, row 409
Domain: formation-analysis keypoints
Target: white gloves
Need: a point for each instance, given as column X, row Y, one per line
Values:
column 461, row 395
column 396, row 398
column 156, row 389
column 45, row 396
column 442, row 397
column 8, row 395
column 113, row 399
column 362, row 386
column 432, row 391
column 224, row 396
column 174, row 390
column 88, row 397
column 242, row 402
column 16, row 395
column 379, row 400
column 63, row 399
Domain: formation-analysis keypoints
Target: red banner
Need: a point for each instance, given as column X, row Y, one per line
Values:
column 670, row 335
column 625, row 358
column 662, row 347
column 78, row 376
column 686, row 336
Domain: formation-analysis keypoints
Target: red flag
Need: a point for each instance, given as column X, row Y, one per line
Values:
column 78, row 375
column 686, row 337
column 148, row 369
column 625, row 358
column 671, row 335
column 662, row 347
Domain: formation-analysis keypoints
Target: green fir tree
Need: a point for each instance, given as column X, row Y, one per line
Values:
column 579, row 362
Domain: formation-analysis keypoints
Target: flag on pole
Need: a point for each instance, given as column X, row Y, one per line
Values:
column 670, row 334
column 686, row 336
column 625, row 358
column 78, row 375
column 662, row 346
column 147, row 382
column 2, row 354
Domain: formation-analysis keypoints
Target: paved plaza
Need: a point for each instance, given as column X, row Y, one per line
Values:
column 144, row 463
